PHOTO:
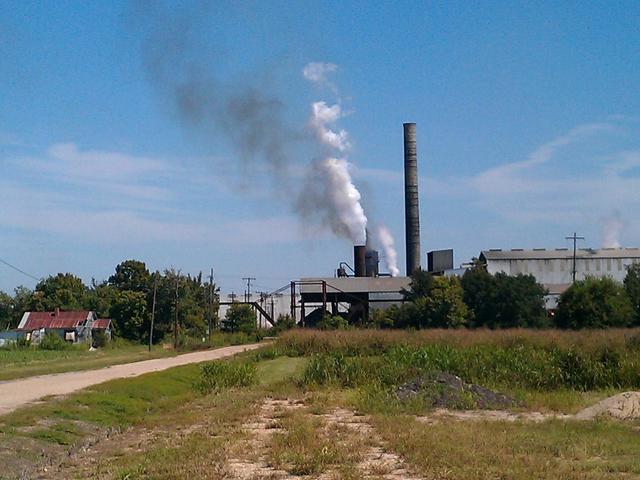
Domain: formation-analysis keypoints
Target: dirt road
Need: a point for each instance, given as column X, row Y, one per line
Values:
column 17, row 393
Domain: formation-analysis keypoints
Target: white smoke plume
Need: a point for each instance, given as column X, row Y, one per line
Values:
column 611, row 230
column 318, row 72
column 330, row 188
column 321, row 116
column 345, row 198
column 384, row 237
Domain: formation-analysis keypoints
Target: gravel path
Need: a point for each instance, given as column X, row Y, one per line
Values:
column 17, row 393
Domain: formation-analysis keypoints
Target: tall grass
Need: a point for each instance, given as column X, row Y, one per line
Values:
column 519, row 359
column 373, row 342
column 218, row 375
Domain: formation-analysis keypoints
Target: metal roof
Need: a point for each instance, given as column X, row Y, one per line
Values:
column 101, row 323
column 38, row 320
column 355, row 284
column 559, row 253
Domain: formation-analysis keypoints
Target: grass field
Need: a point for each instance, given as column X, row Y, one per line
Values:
column 322, row 403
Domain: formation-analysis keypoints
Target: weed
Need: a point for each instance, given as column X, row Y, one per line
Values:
column 215, row 376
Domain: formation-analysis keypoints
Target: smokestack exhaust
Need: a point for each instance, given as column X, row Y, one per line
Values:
column 359, row 260
column 411, row 204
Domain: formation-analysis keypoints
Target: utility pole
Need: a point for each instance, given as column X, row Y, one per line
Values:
column 575, row 238
column 175, row 322
column 210, row 303
column 153, row 308
column 232, row 296
column 248, row 292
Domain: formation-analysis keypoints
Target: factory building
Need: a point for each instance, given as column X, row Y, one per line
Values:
column 554, row 268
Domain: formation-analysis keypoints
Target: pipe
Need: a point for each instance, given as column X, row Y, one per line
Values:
column 411, row 203
column 359, row 260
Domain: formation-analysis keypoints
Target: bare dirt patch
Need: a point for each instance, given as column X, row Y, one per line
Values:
column 250, row 461
column 375, row 461
column 624, row 406
column 342, row 427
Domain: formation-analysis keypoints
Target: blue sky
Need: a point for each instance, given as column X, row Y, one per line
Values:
column 528, row 117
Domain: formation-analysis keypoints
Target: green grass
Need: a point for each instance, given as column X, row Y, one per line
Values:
column 28, row 362
column 518, row 451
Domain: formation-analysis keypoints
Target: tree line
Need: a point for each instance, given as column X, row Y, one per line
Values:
column 127, row 298
column 481, row 300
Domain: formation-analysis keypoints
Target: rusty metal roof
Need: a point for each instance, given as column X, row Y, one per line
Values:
column 101, row 323
column 38, row 320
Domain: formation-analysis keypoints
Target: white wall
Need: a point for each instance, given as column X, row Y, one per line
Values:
column 558, row 271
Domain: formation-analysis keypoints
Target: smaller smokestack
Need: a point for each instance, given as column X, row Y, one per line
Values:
column 372, row 263
column 359, row 260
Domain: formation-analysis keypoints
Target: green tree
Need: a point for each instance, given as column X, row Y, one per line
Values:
column 632, row 287
column 64, row 291
column 6, row 311
column 22, row 298
column 100, row 298
column 594, row 303
column 503, row 301
column 420, row 286
column 240, row 318
column 129, row 313
column 131, row 275
column 443, row 307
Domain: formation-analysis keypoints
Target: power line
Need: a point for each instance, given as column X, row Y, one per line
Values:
column 21, row 271
column 248, row 292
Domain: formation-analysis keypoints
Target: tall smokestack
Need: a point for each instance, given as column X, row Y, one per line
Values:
column 411, row 206
column 359, row 260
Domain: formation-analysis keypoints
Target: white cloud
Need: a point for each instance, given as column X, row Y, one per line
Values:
column 512, row 177
column 106, row 197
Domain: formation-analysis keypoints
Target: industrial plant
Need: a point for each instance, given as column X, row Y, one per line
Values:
column 359, row 286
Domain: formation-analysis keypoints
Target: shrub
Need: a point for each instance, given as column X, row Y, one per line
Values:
column 53, row 341
column 594, row 303
column 100, row 338
column 632, row 287
column 283, row 323
column 333, row 322
column 216, row 376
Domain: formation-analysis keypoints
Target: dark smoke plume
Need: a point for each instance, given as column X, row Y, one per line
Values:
column 247, row 114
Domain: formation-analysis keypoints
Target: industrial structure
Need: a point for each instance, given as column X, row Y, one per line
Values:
column 358, row 289
column 554, row 269
column 411, row 199
column 358, row 286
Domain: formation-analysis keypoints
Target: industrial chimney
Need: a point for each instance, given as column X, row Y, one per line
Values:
column 359, row 260
column 411, row 207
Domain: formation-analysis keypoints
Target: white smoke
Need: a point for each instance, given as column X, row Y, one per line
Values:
column 317, row 72
column 611, row 230
column 385, row 239
column 345, row 198
column 338, row 196
column 323, row 115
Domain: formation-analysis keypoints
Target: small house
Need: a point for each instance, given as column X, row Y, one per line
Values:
column 73, row 326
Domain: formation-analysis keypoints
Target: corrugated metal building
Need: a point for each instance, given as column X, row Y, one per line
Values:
column 73, row 326
column 553, row 268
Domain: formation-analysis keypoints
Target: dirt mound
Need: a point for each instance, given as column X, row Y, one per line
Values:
column 444, row 390
column 624, row 406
